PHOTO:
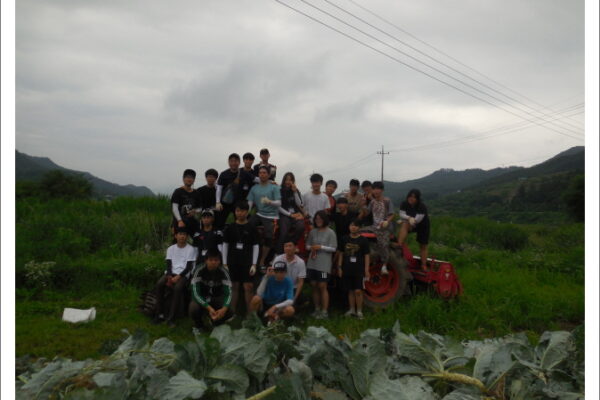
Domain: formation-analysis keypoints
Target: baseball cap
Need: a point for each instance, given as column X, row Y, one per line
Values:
column 280, row 266
column 207, row 212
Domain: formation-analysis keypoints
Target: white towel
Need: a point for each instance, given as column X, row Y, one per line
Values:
column 74, row 315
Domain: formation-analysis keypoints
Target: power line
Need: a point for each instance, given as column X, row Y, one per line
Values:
column 416, row 69
column 445, row 54
column 442, row 63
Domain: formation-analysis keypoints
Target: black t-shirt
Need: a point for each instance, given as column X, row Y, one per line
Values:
column 246, row 183
column 413, row 211
column 213, row 284
column 342, row 223
column 354, row 251
column 241, row 239
column 206, row 196
column 186, row 201
column 230, row 181
column 368, row 220
column 207, row 240
column 288, row 200
column 272, row 170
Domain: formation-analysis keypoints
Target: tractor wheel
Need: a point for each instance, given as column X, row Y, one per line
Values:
column 383, row 290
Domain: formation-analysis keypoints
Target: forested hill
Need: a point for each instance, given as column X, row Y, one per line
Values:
column 30, row 168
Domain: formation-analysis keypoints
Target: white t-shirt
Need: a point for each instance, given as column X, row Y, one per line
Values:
column 315, row 202
column 180, row 256
column 295, row 269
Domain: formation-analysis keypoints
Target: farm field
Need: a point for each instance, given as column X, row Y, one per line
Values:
column 517, row 278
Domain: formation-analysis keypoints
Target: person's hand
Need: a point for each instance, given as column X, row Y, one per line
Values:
column 294, row 187
column 181, row 224
column 270, row 270
column 272, row 312
column 226, row 267
column 211, row 312
column 220, row 313
column 315, row 247
column 252, row 270
column 169, row 282
column 313, row 254
column 412, row 221
column 265, row 200
column 175, row 279
column 219, row 207
column 384, row 224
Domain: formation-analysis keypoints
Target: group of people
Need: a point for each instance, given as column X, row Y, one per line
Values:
column 217, row 259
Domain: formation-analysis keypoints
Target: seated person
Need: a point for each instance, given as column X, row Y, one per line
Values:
column 413, row 214
column 275, row 294
column 180, row 260
column 211, row 292
column 353, row 267
column 296, row 268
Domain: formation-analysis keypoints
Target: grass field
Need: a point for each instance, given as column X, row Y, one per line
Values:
column 516, row 277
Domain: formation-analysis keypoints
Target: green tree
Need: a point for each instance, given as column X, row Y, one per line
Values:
column 59, row 184
column 574, row 197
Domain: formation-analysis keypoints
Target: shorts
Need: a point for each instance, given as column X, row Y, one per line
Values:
column 422, row 230
column 353, row 282
column 239, row 273
column 317, row 276
column 267, row 224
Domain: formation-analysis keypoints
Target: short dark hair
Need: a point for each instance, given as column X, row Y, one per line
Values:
column 264, row 151
column 248, row 156
column 378, row 185
column 213, row 253
column 323, row 215
column 189, row 172
column 366, row 184
column 331, row 182
column 341, row 200
column 211, row 172
column 354, row 182
column 316, row 178
column 235, row 156
column 289, row 241
column 181, row 229
column 242, row 205
column 357, row 222
column 264, row 167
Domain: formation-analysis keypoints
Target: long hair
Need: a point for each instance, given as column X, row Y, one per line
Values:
column 324, row 217
column 416, row 193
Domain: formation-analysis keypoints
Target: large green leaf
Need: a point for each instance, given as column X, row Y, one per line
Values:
column 134, row 342
column 183, row 386
column 51, row 378
column 407, row 388
column 232, row 377
column 554, row 348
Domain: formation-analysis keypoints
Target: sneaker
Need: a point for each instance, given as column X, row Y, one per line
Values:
column 349, row 313
column 359, row 315
column 323, row 315
column 230, row 318
column 158, row 319
column 384, row 270
column 316, row 313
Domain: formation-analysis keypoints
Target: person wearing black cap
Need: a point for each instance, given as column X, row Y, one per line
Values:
column 180, row 260
column 208, row 238
column 211, row 292
column 413, row 214
column 184, row 204
column 264, row 160
column 355, row 199
column 207, row 194
column 275, row 294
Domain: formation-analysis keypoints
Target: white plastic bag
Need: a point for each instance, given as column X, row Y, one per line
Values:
column 74, row 315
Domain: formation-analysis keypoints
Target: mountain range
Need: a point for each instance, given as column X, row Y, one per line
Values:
column 30, row 168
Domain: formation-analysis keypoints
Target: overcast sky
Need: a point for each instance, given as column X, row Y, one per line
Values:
column 137, row 91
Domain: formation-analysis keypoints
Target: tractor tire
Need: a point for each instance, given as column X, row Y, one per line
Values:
column 383, row 290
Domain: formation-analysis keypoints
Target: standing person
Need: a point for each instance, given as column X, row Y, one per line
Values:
column 291, row 219
column 183, row 204
column 179, row 261
column 342, row 218
column 240, row 252
column 211, row 292
column 381, row 212
column 314, row 200
column 367, row 188
column 227, row 190
column 275, row 294
column 355, row 199
column 208, row 238
column 415, row 218
column 267, row 199
column 353, row 267
column 207, row 194
column 296, row 268
column 247, row 176
column 264, row 161
column 321, row 243
column 330, row 188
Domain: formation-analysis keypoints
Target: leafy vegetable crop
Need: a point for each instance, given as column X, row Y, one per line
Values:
column 288, row 363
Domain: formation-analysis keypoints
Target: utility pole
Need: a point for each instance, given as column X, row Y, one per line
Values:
column 382, row 154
